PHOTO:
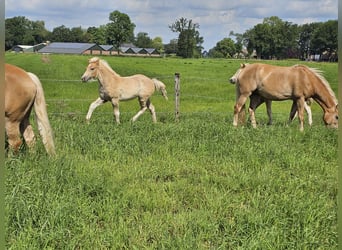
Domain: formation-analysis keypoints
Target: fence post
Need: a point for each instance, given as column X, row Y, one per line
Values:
column 177, row 95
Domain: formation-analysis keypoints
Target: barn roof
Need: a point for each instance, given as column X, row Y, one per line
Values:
column 69, row 48
column 107, row 47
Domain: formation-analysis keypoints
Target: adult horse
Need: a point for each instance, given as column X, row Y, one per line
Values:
column 23, row 90
column 114, row 88
column 276, row 83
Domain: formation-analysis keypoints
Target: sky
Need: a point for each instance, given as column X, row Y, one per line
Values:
column 216, row 18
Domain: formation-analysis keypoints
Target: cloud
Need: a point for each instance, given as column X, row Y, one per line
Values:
column 216, row 18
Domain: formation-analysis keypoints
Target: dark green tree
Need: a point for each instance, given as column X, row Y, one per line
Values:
column 272, row 38
column 224, row 49
column 189, row 39
column 120, row 29
column 143, row 40
column 97, row 35
column 20, row 30
column 305, row 39
column 61, row 34
column 324, row 37
column 157, row 43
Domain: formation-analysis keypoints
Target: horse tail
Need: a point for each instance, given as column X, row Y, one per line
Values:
column 160, row 87
column 42, row 117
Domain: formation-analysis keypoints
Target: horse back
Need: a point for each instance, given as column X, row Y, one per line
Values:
column 277, row 82
column 20, row 92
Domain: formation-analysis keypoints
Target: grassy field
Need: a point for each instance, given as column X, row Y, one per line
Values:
column 194, row 184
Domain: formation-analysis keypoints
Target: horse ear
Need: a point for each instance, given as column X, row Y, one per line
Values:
column 242, row 65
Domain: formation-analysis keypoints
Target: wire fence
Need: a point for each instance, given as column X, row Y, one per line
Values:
column 184, row 96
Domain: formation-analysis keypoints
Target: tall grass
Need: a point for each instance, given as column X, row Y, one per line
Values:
column 195, row 184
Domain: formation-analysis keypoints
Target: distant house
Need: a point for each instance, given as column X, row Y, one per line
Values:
column 72, row 48
column 28, row 48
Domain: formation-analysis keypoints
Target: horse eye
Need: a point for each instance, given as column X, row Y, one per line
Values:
column 336, row 117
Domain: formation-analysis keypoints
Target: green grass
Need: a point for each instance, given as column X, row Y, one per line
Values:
column 195, row 184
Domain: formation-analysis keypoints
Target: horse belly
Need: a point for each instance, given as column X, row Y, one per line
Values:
column 275, row 93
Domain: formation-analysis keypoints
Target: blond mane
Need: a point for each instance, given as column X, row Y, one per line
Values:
column 319, row 74
column 104, row 64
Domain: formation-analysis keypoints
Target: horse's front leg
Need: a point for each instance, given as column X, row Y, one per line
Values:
column 237, row 108
column 93, row 106
column 116, row 111
column 308, row 111
column 300, row 110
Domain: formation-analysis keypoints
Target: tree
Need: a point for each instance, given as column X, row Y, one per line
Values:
column 171, row 47
column 272, row 38
column 157, row 43
column 97, row 35
column 120, row 29
column 143, row 40
column 61, row 34
column 324, row 37
column 305, row 39
column 223, row 49
column 20, row 30
column 189, row 40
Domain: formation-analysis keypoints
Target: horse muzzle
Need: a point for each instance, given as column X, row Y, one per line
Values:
column 84, row 78
column 232, row 80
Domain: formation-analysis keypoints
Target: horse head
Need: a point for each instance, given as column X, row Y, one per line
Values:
column 331, row 118
column 235, row 77
column 91, row 70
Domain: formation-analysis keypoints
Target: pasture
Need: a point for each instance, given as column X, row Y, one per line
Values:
column 198, row 183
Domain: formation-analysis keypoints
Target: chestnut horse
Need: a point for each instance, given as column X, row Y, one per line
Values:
column 276, row 83
column 114, row 88
column 256, row 100
column 23, row 90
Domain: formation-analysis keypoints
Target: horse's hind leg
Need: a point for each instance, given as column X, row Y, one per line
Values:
column 27, row 132
column 13, row 135
column 152, row 110
column 143, row 108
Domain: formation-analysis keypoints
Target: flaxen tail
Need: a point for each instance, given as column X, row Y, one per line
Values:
column 160, row 87
column 42, row 117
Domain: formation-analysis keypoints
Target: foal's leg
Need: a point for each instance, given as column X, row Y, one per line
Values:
column 13, row 135
column 152, row 110
column 115, row 104
column 293, row 111
column 300, row 108
column 27, row 132
column 143, row 108
column 237, row 108
column 269, row 112
column 308, row 111
column 93, row 106
column 255, row 102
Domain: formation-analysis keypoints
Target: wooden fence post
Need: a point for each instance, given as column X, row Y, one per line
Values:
column 177, row 95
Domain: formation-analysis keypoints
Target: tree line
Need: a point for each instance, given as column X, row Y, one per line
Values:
column 273, row 38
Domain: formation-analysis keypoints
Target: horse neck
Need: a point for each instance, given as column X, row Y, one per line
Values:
column 325, row 99
column 106, row 75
